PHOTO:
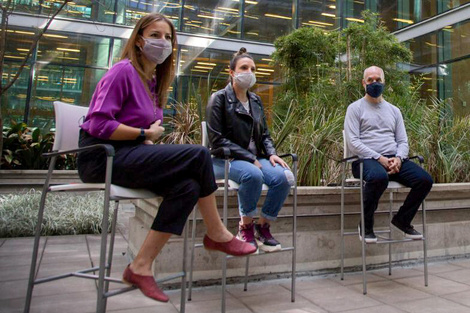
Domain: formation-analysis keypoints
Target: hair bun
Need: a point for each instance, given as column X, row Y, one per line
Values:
column 242, row 50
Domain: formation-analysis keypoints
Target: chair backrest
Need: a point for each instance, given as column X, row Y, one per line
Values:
column 205, row 135
column 346, row 152
column 68, row 119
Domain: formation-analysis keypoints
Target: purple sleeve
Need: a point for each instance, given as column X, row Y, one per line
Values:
column 108, row 99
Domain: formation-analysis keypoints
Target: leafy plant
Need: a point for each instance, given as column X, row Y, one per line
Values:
column 65, row 214
column 24, row 146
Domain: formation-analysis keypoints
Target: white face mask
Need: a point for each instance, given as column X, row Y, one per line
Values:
column 245, row 80
column 156, row 50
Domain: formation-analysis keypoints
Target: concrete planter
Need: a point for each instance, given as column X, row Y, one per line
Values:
column 18, row 180
column 318, row 235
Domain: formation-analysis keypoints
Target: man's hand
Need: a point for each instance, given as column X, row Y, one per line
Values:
column 155, row 131
column 384, row 161
column 394, row 165
column 275, row 159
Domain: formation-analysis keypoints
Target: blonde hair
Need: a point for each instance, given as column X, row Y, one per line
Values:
column 165, row 72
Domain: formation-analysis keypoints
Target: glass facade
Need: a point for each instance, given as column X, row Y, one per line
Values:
column 67, row 65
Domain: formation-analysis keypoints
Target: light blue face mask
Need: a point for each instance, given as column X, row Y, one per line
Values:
column 245, row 80
column 156, row 50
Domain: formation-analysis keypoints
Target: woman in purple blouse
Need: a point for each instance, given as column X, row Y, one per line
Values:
column 126, row 112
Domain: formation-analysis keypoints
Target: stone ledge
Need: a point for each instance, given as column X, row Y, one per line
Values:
column 448, row 218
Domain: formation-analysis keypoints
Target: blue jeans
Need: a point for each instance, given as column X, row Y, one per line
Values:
column 376, row 181
column 251, row 178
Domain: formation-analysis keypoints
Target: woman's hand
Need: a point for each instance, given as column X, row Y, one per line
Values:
column 275, row 159
column 257, row 164
column 154, row 132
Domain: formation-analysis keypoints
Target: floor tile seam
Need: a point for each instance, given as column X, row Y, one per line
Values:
column 458, row 303
column 240, row 300
column 308, row 300
column 453, row 280
column 3, row 241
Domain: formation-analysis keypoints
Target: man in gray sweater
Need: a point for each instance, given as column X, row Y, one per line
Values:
column 374, row 130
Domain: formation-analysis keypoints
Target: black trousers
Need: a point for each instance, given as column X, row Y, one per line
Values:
column 181, row 174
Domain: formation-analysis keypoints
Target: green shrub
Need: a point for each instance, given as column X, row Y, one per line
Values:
column 23, row 147
column 65, row 214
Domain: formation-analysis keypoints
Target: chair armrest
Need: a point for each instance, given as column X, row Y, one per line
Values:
column 225, row 151
column 352, row 159
column 109, row 149
column 294, row 156
column 419, row 157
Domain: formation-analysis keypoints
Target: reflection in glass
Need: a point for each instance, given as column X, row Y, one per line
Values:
column 458, row 86
column 265, row 20
column 322, row 13
column 456, row 40
column 51, row 83
column 13, row 101
column 135, row 9
column 219, row 18
column 74, row 49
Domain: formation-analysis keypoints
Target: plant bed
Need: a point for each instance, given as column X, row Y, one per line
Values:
column 65, row 214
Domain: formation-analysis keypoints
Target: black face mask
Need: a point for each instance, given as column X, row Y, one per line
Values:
column 375, row 89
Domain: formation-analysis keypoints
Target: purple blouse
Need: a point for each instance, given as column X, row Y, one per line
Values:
column 120, row 98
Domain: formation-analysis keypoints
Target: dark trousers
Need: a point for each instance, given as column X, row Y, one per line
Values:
column 181, row 174
column 376, row 181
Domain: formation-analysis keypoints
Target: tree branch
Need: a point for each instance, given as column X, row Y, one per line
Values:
column 33, row 46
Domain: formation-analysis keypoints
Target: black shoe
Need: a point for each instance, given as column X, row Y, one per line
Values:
column 369, row 235
column 409, row 230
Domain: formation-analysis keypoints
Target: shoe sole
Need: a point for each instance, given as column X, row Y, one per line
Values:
column 367, row 240
column 266, row 248
column 414, row 237
column 257, row 247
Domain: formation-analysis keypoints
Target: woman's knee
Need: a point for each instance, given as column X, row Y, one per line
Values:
column 253, row 175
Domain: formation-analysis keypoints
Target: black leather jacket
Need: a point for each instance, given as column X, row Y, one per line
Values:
column 230, row 126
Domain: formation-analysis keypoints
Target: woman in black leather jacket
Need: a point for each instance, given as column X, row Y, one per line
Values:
column 236, row 120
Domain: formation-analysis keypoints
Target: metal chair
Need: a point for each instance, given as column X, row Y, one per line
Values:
column 231, row 185
column 392, row 187
column 68, row 118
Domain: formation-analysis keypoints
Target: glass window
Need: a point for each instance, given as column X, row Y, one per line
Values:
column 456, row 41
column 101, row 11
column 351, row 11
column 74, row 49
column 445, row 5
column 323, row 14
column 266, row 20
column 424, row 49
column 212, row 17
column 13, row 101
column 399, row 14
column 457, row 85
column 51, row 83
column 135, row 9
column 28, row 6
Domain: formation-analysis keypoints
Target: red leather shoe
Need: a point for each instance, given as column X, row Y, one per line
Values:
column 146, row 284
column 233, row 247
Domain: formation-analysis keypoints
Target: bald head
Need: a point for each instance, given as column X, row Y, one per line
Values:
column 373, row 71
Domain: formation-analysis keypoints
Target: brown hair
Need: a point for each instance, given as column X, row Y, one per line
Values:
column 237, row 56
column 165, row 72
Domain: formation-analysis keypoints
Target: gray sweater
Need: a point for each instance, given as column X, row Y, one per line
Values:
column 373, row 130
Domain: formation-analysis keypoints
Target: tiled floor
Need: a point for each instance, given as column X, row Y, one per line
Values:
column 404, row 291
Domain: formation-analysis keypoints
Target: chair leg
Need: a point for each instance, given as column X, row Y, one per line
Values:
column 247, row 264
column 425, row 246
column 363, row 229
column 342, row 220
column 191, row 263
column 224, row 281
column 101, row 303
column 183, row 278
column 224, row 217
column 37, row 237
column 390, row 233
column 110, row 252
column 294, row 236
